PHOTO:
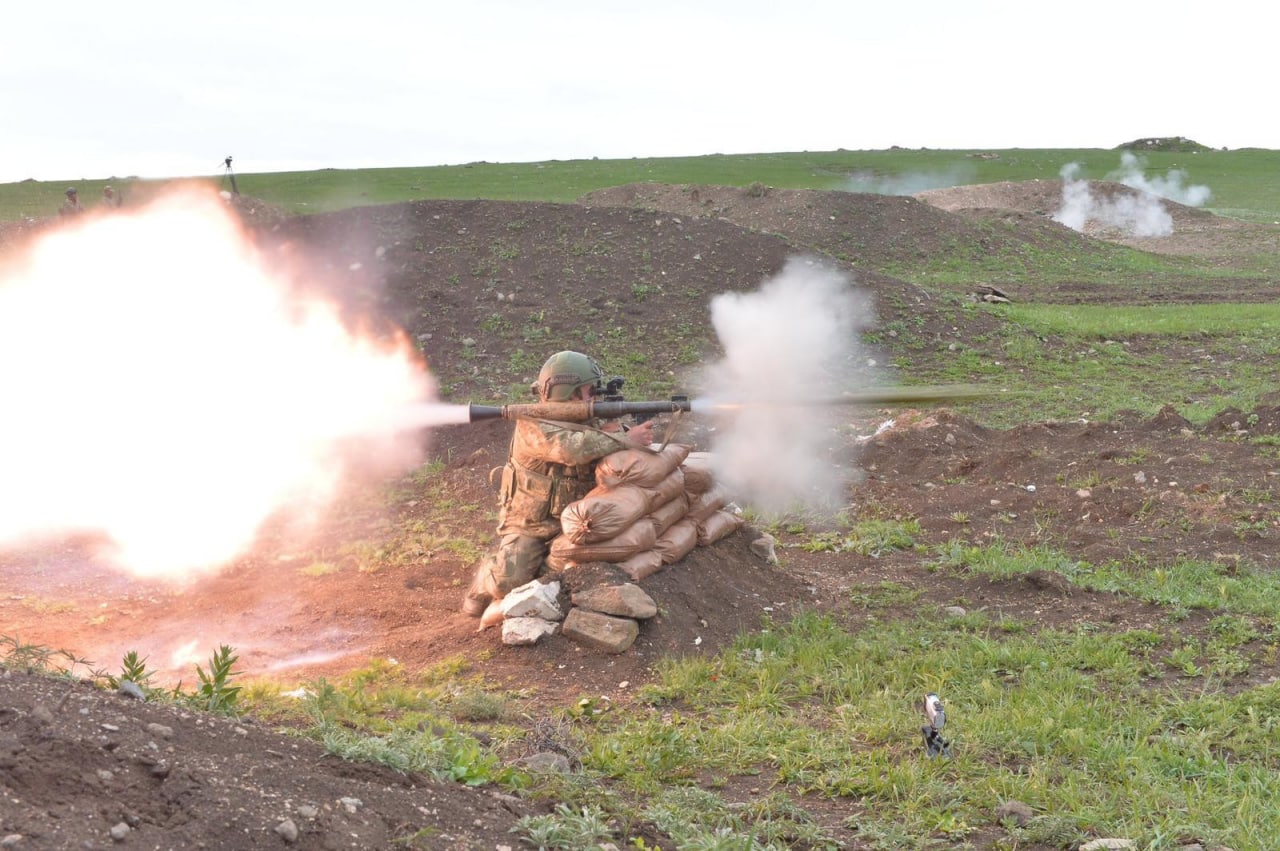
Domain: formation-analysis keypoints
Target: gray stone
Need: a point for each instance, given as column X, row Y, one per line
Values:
column 288, row 831
column 1109, row 845
column 1016, row 812
column 534, row 600
column 764, row 547
column 119, row 831
column 522, row 632
column 11, row 840
column 626, row 601
column 601, row 632
column 547, row 761
column 161, row 730
column 130, row 689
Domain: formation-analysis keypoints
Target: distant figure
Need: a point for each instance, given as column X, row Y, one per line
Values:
column 71, row 206
column 110, row 200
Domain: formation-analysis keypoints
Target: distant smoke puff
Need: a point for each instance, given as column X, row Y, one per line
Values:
column 796, row 339
column 909, row 183
column 1140, row 215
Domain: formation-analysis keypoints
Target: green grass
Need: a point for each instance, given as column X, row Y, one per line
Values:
column 1243, row 181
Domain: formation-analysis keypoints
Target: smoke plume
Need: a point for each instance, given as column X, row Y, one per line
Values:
column 1141, row 214
column 794, row 340
column 909, row 183
column 165, row 394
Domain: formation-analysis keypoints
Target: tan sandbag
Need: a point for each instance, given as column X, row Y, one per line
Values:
column 642, row 564
column 642, row 467
column 635, row 538
column 668, row 514
column 698, row 476
column 678, row 541
column 603, row 513
column 666, row 490
column 717, row 526
column 704, row 505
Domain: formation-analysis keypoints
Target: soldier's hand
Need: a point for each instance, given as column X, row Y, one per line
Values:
column 642, row 435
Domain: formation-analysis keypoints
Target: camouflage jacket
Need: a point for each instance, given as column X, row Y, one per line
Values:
column 551, row 464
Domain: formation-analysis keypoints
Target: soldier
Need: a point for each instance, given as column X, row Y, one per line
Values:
column 110, row 200
column 550, row 464
column 71, row 206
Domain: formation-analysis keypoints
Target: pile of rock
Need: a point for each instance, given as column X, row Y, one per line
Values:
column 649, row 510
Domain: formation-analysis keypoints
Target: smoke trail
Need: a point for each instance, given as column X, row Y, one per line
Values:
column 794, row 339
column 167, row 394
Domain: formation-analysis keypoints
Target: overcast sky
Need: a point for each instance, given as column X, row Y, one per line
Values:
column 159, row 89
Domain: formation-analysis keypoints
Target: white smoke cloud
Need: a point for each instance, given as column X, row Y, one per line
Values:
column 794, row 340
column 1132, row 173
column 908, row 184
column 1141, row 214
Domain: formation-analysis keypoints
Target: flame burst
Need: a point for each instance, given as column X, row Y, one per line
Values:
column 167, row 393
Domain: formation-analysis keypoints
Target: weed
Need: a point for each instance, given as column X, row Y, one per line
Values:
column 215, row 693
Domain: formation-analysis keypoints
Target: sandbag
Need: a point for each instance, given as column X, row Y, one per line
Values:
column 668, row 514
column 704, row 505
column 642, row 564
column 666, row 490
column 635, row 538
column 641, row 467
column 678, row 541
column 603, row 513
column 717, row 526
column 698, row 476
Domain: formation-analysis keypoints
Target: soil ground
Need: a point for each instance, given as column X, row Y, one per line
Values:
column 76, row 761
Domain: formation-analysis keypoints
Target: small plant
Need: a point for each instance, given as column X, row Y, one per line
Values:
column 133, row 669
column 216, row 694
column 566, row 828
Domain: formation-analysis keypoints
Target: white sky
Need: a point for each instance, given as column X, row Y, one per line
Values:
column 157, row 89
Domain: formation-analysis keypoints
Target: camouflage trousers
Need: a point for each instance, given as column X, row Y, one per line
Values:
column 518, row 560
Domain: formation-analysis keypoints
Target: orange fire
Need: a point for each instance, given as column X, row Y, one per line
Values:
column 164, row 391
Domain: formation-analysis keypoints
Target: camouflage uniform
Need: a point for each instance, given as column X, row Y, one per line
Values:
column 550, row 465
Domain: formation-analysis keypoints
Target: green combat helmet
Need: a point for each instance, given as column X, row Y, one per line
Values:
column 565, row 372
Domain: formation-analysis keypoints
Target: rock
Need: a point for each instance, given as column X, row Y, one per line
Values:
column 160, row 730
column 119, row 831
column 547, row 761
column 534, row 600
column 626, row 600
column 1109, row 845
column 11, row 840
column 41, row 714
column 523, row 632
column 307, row 811
column 764, row 547
column 288, row 831
column 955, row 611
column 351, row 805
column 601, row 632
column 130, row 689
column 1016, row 812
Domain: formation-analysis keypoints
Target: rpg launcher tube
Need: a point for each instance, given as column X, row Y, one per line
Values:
column 576, row 412
column 582, row 411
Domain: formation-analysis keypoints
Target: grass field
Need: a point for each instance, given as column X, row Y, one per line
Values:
column 1243, row 182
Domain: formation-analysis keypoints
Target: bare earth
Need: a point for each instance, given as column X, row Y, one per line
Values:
column 76, row 761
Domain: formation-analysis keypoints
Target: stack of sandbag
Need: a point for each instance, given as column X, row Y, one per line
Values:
column 613, row 522
column 648, row 510
column 709, row 502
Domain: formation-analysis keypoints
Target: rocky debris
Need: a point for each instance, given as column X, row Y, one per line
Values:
column 625, row 601
column 1016, row 812
column 601, row 632
column 534, row 600
column 523, row 632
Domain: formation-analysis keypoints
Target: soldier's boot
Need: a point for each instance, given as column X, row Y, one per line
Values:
column 481, row 592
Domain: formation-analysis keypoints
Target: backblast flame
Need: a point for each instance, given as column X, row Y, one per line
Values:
column 165, row 392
